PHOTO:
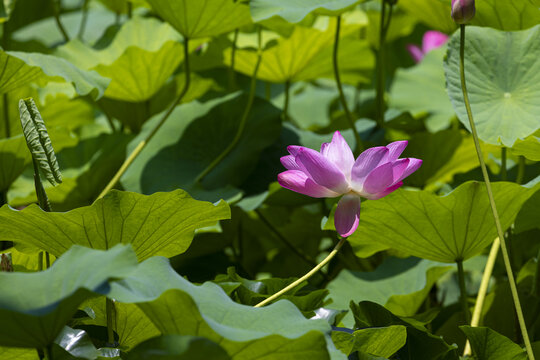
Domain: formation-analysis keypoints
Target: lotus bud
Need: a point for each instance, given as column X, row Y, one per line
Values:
column 463, row 11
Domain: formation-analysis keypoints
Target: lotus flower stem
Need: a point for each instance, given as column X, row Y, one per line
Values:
column 84, row 19
column 149, row 137
column 5, row 41
column 232, row 74
column 463, row 291
column 305, row 277
column 500, row 232
column 109, row 309
column 285, row 114
column 129, row 9
column 56, row 9
column 482, row 291
column 244, row 118
column 342, row 98
column 521, row 170
column 383, row 28
column 503, row 164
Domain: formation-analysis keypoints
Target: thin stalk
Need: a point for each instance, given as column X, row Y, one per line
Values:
column 40, row 261
column 503, row 164
column 342, row 98
column 535, row 289
column 500, row 232
column 47, row 260
column 285, row 114
column 5, row 43
column 232, row 74
column 149, row 137
column 109, row 309
column 521, row 170
column 463, row 291
column 305, row 277
column 56, row 10
column 47, row 353
column 84, row 20
column 243, row 120
column 309, row 260
column 42, row 198
column 380, row 64
column 482, row 291
column 129, row 9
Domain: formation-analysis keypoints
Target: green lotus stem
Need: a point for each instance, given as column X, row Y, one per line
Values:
column 305, row 277
column 463, row 291
column 535, row 289
column 500, row 232
column 47, row 353
column 84, row 18
column 503, row 164
column 285, row 241
column 243, row 120
column 521, row 170
column 5, row 41
column 383, row 28
column 149, row 137
column 109, row 309
column 285, row 114
column 129, row 9
column 40, row 261
column 342, row 98
column 42, row 198
column 56, row 10
column 482, row 291
column 232, row 74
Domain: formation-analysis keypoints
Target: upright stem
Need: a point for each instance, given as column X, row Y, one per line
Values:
column 463, row 291
column 56, row 10
column 521, row 170
column 84, row 18
column 380, row 65
column 42, row 198
column 47, row 353
column 285, row 114
column 503, row 164
column 109, row 309
column 5, row 43
column 305, row 277
column 243, row 120
column 500, row 232
column 232, row 74
column 129, row 9
column 535, row 289
column 342, row 98
column 149, row 137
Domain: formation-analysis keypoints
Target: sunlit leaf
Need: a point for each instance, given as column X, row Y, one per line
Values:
column 503, row 82
column 178, row 307
column 487, row 344
column 202, row 18
column 307, row 55
column 441, row 228
column 33, row 314
column 528, row 147
column 295, row 10
column 159, row 224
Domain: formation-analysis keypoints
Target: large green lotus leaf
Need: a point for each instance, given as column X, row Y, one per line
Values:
column 194, row 135
column 15, row 353
column 503, row 81
column 130, row 323
column 141, row 57
column 202, row 18
column 159, row 224
column 382, row 342
column 420, row 343
column 307, row 55
column 178, row 347
column 441, row 228
column 14, row 156
column 296, row 10
column 134, row 114
column 85, row 82
column 528, row 147
column 421, row 90
column 35, row 306
column 16, row 73
column 527, row 219
column 498, row 14
column 488, row 344
column 401, row 285
column 178, row 307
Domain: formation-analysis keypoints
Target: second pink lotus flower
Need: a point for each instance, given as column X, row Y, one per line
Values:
column 333, row 172
column 432, row 40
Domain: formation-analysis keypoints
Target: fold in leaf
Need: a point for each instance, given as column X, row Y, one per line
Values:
column 38, row 140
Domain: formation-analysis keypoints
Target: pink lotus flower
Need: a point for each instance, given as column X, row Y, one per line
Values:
column 334, row 172
column 432, row 40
